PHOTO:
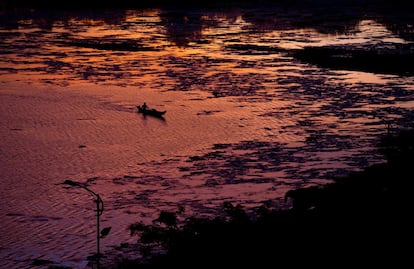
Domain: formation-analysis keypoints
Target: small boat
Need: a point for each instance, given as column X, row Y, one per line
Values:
column 151, row 112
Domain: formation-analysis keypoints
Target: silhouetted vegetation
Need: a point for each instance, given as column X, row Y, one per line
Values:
column 157, row 3
column 364, row 218
column 332, row 17
column 387, row 60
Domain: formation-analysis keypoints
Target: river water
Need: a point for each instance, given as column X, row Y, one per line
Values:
column 246, row 121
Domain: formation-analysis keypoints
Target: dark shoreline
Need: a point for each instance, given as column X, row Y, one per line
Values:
column 364, row 218
column 98, row 4
column 392, row 59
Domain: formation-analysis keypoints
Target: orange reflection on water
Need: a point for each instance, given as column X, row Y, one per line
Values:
column 245, row 120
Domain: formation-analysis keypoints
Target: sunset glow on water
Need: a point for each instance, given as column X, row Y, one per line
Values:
column 246, row 121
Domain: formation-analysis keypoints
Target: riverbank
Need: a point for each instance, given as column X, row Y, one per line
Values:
column 363, row 218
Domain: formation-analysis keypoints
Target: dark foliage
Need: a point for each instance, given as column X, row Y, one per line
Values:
column 396, row 61
column 96, row 4
column 362, row 219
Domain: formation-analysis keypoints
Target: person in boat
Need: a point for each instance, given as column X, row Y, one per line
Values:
column 144, row 106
